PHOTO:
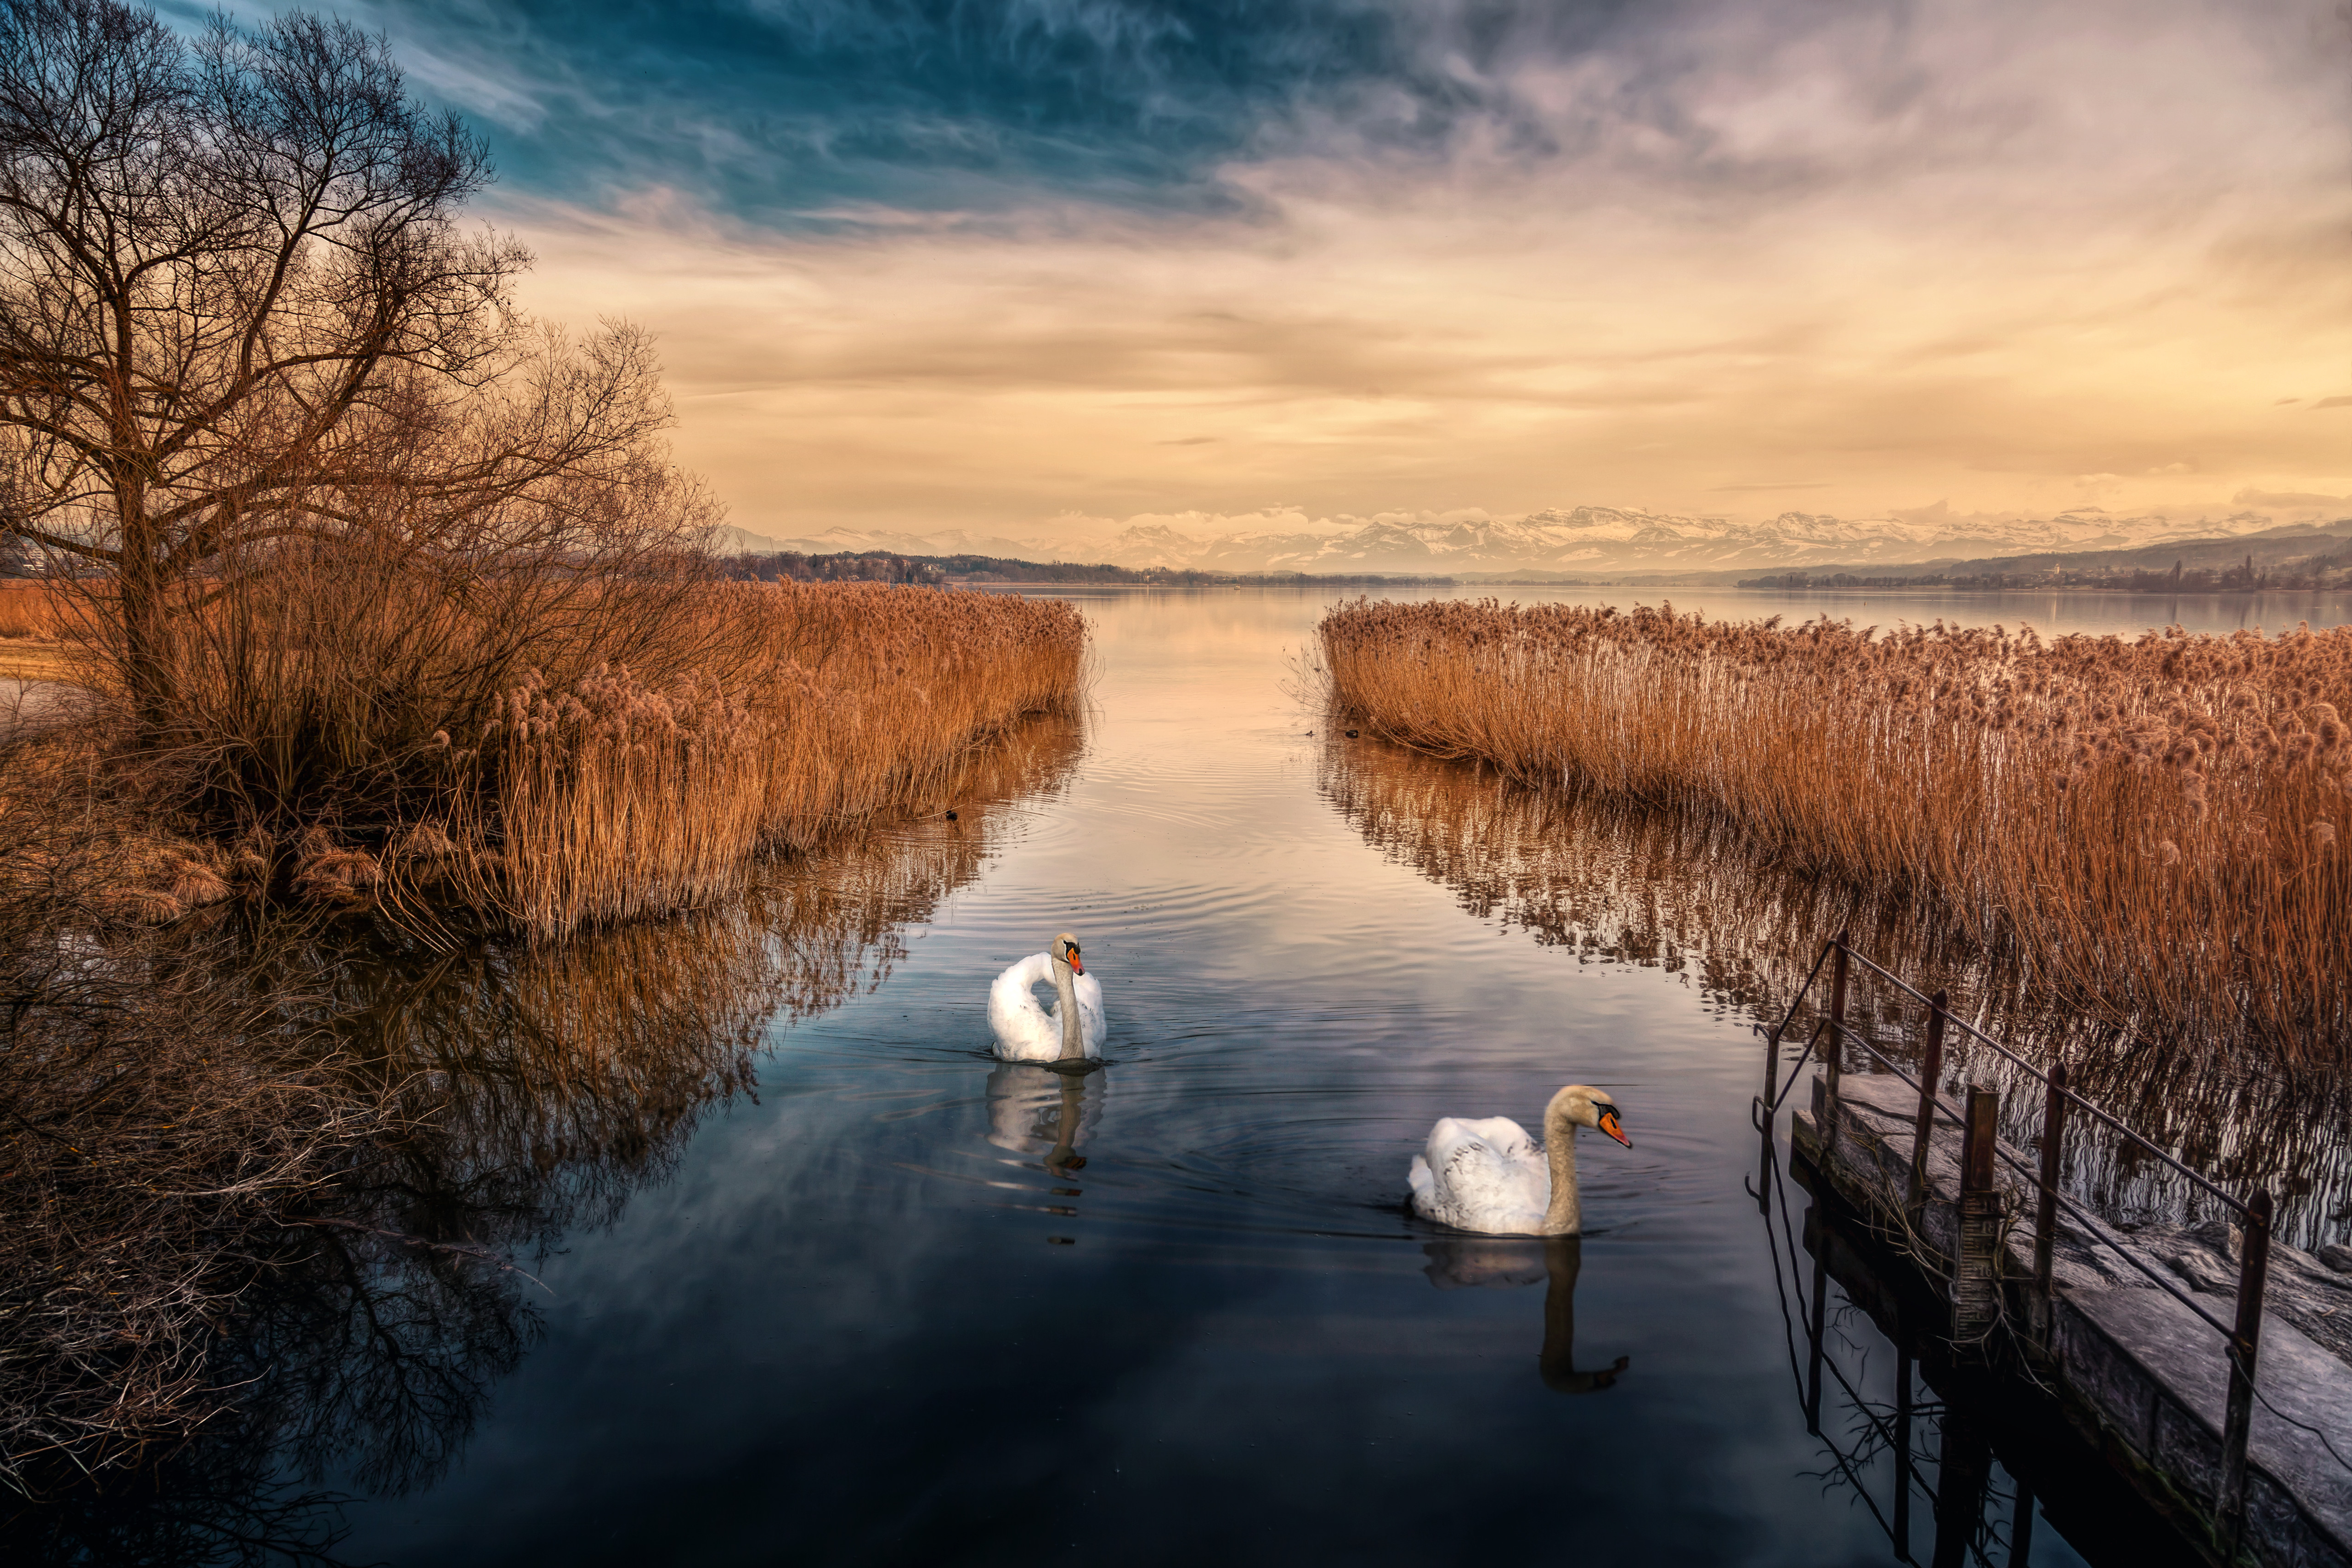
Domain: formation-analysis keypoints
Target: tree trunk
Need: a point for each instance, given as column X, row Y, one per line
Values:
column 146, row 675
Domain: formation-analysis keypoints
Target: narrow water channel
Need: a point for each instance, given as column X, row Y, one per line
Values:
column 879, row 1299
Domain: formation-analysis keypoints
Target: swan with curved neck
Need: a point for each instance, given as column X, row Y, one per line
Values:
column 1071, row 1031
column 1488, row 1175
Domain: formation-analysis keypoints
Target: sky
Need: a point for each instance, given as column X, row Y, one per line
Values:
column 1049, row 267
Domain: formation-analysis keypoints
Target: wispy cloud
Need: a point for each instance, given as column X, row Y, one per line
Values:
column 933, row 262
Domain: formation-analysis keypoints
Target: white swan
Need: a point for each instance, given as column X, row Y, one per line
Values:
column 1490, row 1177
column 1072, row 1030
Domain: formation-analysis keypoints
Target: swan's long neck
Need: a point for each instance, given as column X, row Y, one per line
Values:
column 1074, row 1046
column 1565, row 1216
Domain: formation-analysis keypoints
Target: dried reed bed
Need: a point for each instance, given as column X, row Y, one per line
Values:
column 2152, row 825
column 616, row 798
column 36, row 624
column 1618, row 882
column 32, row 609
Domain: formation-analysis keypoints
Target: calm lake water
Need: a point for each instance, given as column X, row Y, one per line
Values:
column 871, row 1310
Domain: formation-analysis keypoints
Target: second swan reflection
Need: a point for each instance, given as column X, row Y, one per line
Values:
column 1461, row 1263
column 1035, row 1111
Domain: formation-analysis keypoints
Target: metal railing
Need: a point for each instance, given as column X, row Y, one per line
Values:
column 1979, row 1201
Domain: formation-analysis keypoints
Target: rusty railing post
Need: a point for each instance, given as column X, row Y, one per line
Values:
column 1931, row 1072
column 2045, row 1219
column 1975, row 1274
column 2254, row 1268
column 1836, row 1052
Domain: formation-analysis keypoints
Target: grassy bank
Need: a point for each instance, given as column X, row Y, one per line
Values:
column 2152, row 825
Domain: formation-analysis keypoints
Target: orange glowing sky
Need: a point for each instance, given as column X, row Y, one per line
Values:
column 1720, row 258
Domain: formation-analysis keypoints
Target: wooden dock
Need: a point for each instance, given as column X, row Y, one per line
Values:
column 2142, row 1378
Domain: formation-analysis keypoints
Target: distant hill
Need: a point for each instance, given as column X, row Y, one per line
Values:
column 2291, row 557
column 882, row 566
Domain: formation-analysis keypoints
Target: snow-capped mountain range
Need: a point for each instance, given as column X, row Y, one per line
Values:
column 1586, row 541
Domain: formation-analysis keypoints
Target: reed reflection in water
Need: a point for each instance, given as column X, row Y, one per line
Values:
column 527, row 1093
column 1618, row 884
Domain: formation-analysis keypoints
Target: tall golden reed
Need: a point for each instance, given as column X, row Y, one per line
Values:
column 613, row 797
column 2154, row 823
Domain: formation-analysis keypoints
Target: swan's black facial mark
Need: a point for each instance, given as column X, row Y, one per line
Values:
column 1608, row 1120
column 1070, row 956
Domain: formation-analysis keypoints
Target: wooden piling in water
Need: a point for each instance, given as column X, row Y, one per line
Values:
column 1975, row 1275
column 1963, row 1471
column 1819, row 1326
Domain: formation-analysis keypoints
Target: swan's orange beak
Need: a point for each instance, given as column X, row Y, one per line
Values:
column 1077, row 964
column 1609, row 1125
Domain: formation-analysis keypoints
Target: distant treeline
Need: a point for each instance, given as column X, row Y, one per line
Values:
column 998, row 569
column 882, row 566
column 870, row 566
column 2247, row 577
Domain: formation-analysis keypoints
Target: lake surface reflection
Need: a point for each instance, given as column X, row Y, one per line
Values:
column 862, row 1294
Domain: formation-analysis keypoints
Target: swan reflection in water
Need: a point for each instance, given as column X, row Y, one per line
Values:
column 1042, row 1114
column 1458, row 1263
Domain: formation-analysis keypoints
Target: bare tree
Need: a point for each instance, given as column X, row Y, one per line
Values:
column 237, row 308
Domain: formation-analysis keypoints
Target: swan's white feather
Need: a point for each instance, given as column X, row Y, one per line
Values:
column 1483, row 1174
column 1029, row 1032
